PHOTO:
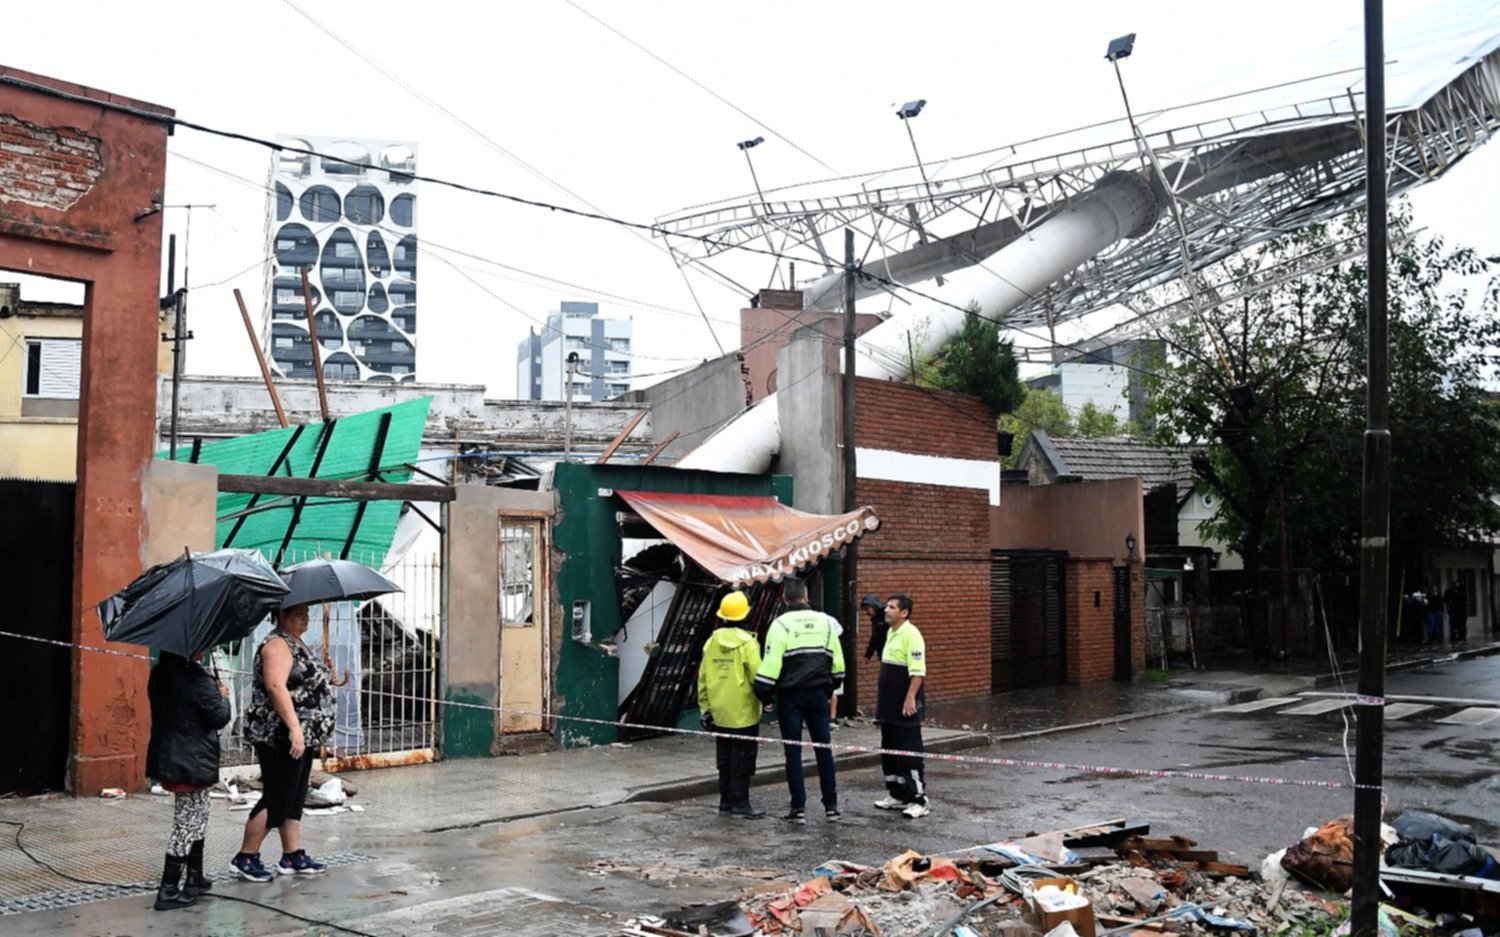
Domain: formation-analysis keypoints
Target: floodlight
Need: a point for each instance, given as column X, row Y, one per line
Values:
column 1120, row 48
column 747, row 144
column 911, row 109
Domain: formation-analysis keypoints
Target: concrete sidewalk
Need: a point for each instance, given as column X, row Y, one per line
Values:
column 120, row 841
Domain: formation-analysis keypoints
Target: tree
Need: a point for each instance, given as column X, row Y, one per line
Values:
column 977, row 362
column 1271, row 387
column 1093, row 422
column 1039, row 409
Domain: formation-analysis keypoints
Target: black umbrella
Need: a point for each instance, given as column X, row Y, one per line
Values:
column 332, row 581
column 193, row 603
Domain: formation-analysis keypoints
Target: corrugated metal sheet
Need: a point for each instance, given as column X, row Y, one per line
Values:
column 384, row 440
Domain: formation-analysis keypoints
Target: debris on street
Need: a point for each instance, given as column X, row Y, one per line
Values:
column 1106, row 880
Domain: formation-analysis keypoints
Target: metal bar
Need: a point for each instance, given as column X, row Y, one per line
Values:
column 325, row 436
column 348, row 489
column 260, row 358
column 373, row 474
column 281, row 458
column 430, row 522
column 620, row 439
column 317, row 350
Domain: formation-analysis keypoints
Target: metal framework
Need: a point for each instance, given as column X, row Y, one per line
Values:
column 1237, row 181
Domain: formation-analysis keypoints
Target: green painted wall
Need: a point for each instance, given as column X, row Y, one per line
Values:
column 469, row 730
column 588, row 538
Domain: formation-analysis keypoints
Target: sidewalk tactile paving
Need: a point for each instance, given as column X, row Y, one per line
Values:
column 1473, row 716
column 1257, row 705
column 1318, row 707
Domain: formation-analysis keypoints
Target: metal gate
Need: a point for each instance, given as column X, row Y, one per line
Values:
column 383, row 655
column 36, row 578
column 1028, row 618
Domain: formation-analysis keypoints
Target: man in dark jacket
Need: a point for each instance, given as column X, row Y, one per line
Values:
column 802, row 665
column 188, row 708
column 1458, row 612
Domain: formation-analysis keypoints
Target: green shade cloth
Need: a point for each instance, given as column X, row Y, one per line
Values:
column 323, row 526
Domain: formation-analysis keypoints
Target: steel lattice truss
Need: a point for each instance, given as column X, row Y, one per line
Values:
column 1238, row 181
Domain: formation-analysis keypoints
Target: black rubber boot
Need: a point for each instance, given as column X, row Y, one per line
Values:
column 195, row 884
column 169, row 896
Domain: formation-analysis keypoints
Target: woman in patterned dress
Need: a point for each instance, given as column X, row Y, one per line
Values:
column 290, row 716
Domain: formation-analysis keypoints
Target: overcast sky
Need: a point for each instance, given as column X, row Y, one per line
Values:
column 637, row 116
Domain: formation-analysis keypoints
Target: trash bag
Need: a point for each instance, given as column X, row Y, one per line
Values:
column 1440, row 854
column 1422, row 826
column 1326, row 858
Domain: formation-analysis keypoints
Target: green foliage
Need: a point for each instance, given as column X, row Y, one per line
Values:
column 1092, row 422
column 1039, row 409
column 977, row 362
column 1299, row 346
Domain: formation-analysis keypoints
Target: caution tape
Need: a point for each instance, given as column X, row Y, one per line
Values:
column 836, row 747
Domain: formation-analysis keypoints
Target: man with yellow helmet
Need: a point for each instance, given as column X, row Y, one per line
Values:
column 727, row 704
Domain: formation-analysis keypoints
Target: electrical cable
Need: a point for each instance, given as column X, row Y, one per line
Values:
column 145, row 888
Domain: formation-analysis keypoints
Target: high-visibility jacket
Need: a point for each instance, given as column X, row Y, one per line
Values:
column 904, row 657
column 802, row 651
column 726, row 678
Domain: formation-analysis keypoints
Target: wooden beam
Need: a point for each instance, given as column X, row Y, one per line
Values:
column 618, row 440
column 347, row 489
column 317, row 350
column 658, row 450
column 260, row 357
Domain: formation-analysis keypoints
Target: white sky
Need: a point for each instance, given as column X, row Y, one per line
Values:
column 550, row 87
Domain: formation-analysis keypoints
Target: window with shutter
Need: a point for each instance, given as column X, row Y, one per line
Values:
column 52, row 368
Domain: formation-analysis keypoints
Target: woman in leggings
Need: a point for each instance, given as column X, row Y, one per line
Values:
column 290, row 716
column 188, row 708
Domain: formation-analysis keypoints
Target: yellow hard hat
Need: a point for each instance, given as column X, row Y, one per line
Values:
column 734, row 607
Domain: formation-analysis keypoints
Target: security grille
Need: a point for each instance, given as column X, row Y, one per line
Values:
column 1027, row 619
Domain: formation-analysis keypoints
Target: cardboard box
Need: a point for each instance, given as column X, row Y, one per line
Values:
column 1082, row 918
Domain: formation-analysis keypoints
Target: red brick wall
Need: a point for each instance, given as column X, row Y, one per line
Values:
column 933, row 543
column 1091, row 630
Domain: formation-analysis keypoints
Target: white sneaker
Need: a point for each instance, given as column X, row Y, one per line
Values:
column 917, row 810
column 889, row 803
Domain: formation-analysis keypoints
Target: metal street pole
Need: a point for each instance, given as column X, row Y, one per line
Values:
column 851, row 553
column 1375, row 538
column 568, row 407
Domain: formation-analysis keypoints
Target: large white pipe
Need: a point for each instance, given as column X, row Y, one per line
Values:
column 1120, row 205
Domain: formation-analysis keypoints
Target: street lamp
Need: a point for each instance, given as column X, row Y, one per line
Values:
column 745, row 147
column 1130, row 543
column 906, row 112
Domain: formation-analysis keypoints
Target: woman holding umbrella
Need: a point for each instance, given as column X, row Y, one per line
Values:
column 291, row 714
column 188, row 708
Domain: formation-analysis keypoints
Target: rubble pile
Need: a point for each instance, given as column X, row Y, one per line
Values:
column 1098, row 881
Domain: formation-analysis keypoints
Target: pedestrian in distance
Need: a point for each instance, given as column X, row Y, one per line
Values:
column 727, row 704
column 900, row 705
column 188, row 708
column 290, row 716
column 1458, row 612
column 802, row 665
column 874, row 611
column 1434, row 614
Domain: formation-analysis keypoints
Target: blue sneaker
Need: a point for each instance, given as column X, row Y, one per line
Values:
column 247, row 866
column 300, row 863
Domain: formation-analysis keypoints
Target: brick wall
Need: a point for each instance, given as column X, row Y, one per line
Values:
column 46, row 167
column 911, row 419
column 933, row 543
column 1091, row 628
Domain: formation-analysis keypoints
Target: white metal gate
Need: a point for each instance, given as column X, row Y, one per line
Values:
column 383, row 655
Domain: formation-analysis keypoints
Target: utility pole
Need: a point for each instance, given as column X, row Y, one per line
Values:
column 178, row 336
column 851, row 552
column 1374, row 552
column 568, row 407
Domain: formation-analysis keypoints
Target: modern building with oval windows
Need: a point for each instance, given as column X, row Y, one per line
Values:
column 349, row 215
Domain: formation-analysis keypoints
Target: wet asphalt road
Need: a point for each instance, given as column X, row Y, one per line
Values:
column 570, row 873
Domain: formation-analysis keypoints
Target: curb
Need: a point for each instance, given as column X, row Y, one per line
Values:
column 1413, row 663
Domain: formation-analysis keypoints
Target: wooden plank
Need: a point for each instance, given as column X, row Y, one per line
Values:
column 618, row 440
column 1158, row 845
column 347, row 489
column 1105, row 834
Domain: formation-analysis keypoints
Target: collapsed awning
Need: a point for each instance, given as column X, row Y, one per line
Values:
column 744, row 539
